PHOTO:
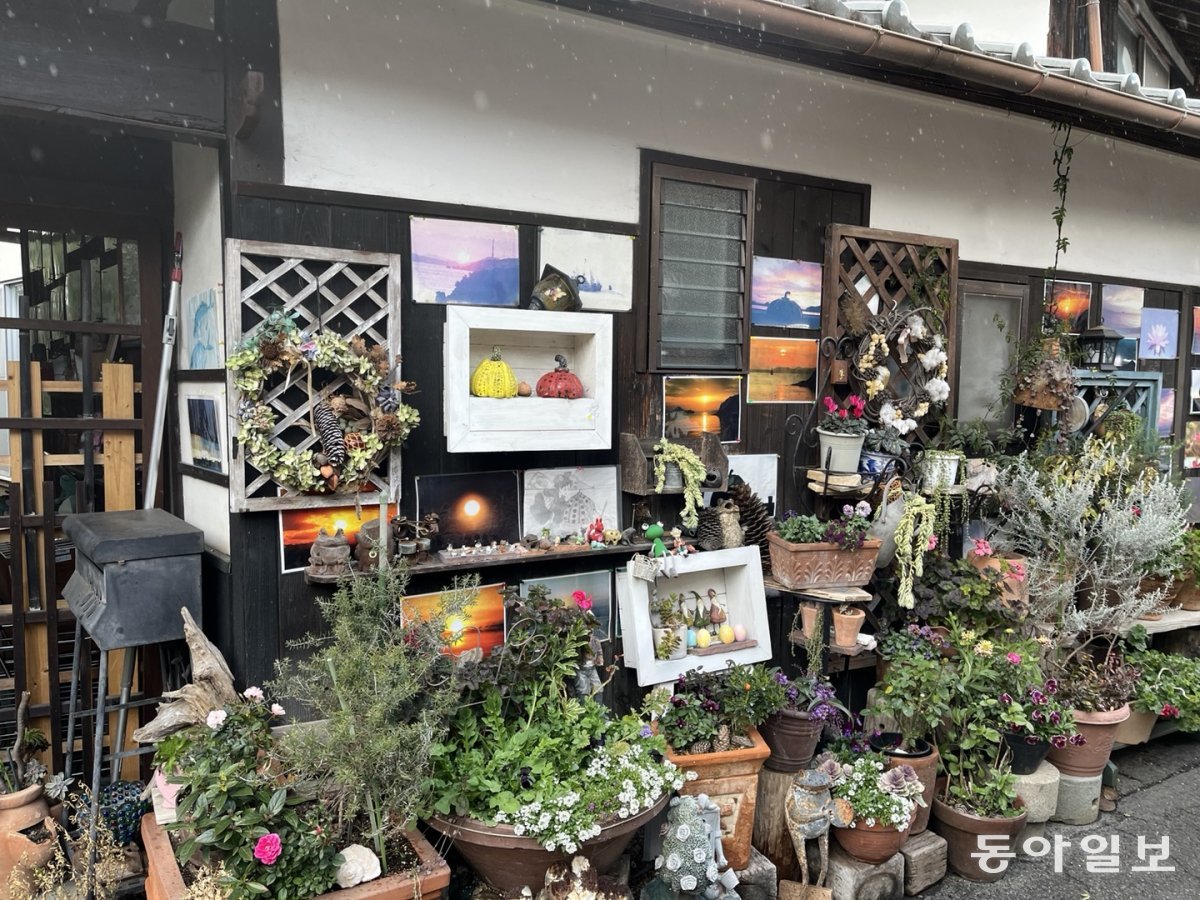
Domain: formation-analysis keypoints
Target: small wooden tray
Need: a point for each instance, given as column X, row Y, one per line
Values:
column 714, row 649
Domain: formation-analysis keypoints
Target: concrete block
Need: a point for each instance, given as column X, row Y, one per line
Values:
column 758, row 881
column 851, row 879
column 1040, row 792
column 1078, row 799
column 924, row 861
column 1030, row 830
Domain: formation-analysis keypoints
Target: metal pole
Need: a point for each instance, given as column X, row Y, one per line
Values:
column 118, row 739
column 87, row 376
column 164, row 376
column 1095, row 44
column 94, row 819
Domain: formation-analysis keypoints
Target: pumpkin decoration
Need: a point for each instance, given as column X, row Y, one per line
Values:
column 524, row 390
column 494, row 378
column 561, row 382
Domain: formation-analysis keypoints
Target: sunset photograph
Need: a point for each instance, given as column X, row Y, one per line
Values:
column 782, row 370
column 481, row 625
column 785, row 293
column 1069, row 301
column 697, row 404
column 298, row 528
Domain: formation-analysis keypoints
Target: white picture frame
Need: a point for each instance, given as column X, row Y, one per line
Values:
column 203, row 427
column 604, row 262
column 568, row 499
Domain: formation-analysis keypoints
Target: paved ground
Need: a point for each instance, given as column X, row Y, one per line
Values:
column 1159, row 795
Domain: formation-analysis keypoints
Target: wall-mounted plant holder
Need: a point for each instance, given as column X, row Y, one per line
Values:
column 528, row 341
column 736, row 578
column 637, row 471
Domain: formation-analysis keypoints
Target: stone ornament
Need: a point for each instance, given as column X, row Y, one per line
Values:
column 359, row 864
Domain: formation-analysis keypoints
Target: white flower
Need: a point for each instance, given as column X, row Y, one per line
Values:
column 916, row 327
column 216, row 719
column 932, row 358
column 658, row 862
column 674, row 862
column 253, row 693
column 683, row 832
column 699, row 854
column 888, row 414
column 519, row 830
column 359, row 864
column 938, row 389
column 277, row 710
column 687, row 883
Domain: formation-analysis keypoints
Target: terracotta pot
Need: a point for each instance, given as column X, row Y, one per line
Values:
column 926, row 767
column 846, row 626
column 839, row 452
column 1188, row 596
column 731, row 780
column 962, row 831
column 798, row 566
column 509, row 863
column 165, row 882
column 1099, row 729
column 1136, row 729
column 810, row 618
column 1014, row 592
column 1026, row 757
column 1153, row 616
column 1170, row 585
column 872, row 844
column 792, row 737
column 19, row 812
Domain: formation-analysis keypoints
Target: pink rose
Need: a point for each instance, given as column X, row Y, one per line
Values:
column 268, row 848
column 582, row 599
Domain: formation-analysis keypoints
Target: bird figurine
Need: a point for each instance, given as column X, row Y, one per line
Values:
column 731, row 529
column 716, row 614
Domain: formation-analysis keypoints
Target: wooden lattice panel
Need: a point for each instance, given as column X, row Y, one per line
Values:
column 1137, row 391
column 885, row 271
column 347, row 292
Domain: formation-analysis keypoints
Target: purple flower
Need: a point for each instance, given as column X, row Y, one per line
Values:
column 677, row 700
column 1006, row 698
column 646, row 731
column 1077, row 740
column 1032, row 739
column 793, row 693
column 847, row 510
column 1051, row 686
column 780, row 678
column 1058, row 741
column 1037, row 697
column 1037, row 716
column 1055, row 717
column 711, row 706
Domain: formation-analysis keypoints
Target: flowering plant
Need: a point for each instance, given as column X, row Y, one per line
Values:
column 875, row 794
column 1037, row 714
column 847, row 418
column 1169, row 687
column 849, row 530
column 911, row 640
column 706, row 705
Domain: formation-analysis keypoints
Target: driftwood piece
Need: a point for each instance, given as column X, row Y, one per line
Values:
column 211, row 688
column 18, row 759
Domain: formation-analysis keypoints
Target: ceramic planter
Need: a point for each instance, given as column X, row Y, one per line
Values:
column 962, row 831
column 840, row 452
column 681, row 644
column 164, row 881
column 1188, row 596
column 1014, row 591
column 730, row 778
column 872, row 844
column 939, row 469
column 1099, row 729
column 1136, row 729
column 924, row 760
column 509, row 863
column 1026, row 757
column 798, row 566
column 874, row 463
column 846, row 626
column 792, row 736
column 19, row 811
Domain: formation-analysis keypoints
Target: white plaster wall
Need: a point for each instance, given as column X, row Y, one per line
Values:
column 1000, row 21
column 10, row 261
column 517, row 105
column 198, row 217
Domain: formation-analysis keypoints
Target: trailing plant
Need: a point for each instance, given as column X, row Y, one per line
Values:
column 1169, row 687
column 694, row 475
column 914, row 536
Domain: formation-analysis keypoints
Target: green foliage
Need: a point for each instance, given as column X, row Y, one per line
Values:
column 1098, row 685
column 739, row 697
column 694, row 475
column 385, row 689
column 668, row 642
column 798, row 529
column 1169, row 687
column 954, row 586
column 1189, row 553
column 916, row 694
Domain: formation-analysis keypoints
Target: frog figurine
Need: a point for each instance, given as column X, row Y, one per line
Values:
column 654, row 534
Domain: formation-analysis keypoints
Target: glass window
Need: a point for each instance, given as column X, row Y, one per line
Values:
column 983, row 353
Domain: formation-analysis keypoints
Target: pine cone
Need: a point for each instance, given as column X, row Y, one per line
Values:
column 354, row 441
column 358, row 345
column 337, row 405
column 701, row 747
column 270, row 348
column 721, row 742
column 388, row 427
column 755, row 522
column 333, row 442
column 708, row 531
column 388, row 400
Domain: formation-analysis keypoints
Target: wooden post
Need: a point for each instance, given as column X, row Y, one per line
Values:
column 771, row 835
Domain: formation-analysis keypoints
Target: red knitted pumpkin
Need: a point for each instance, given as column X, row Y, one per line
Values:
column 561, row 382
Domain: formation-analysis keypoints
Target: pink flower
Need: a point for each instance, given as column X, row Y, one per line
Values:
column 982, row 547
column 277, row 710
column 933, row 541
column 582, row 599
column 1169, row 712
column 216, row 719
column 1014, row 658
column 253, row 693
column 830, row 404
column 1016, row 571
column 842, row 414
column 268, row 848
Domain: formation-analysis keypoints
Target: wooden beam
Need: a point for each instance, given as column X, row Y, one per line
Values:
column 82, row 60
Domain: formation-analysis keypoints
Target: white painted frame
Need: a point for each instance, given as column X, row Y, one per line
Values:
column 735, row 573
column 528, row 341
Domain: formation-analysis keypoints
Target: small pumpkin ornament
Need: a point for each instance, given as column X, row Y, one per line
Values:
column 562, row 382
column 494, row 378
column 524, row 390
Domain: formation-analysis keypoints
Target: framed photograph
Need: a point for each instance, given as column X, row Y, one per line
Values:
column 1194, row 394
column 481, row 625
column 475, row 507
column 785, row 293
column 475, row 263
column 1121, row 309
column 760, row 471
column 1191, row 446
column 699, row 404
column 200, row 331
column 1069, row 301
column 1127, row 355
column 1160, row 334
column 597, row 585
column 1196, row 331
column 203, row 431
column 298, row 528
column 563, row 501
column 601, row 264
column 1166, row 410
column 782, row 370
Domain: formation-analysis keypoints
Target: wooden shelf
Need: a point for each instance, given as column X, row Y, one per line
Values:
column 822, row 595
column 1173, row 620
column 468, row 563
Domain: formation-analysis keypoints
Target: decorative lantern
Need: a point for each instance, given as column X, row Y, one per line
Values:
column 556, row 291
column 1098, row 346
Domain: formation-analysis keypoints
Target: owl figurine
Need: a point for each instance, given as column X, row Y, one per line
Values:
column 731, row 529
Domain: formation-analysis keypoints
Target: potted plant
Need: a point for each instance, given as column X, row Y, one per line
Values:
column 670, row 628
column 168, row 759
column 1188, row 596
column 875, row 803
column 884, row 450
column 984, row 807
column 1043, row 377
column 1098, row 692
column 533, row 769
column 27, row 833
column 841, row 433
column 677, row 469
column 847, row 622
column 1009, row 567
column 805, row 705
column 1169, row 689
column 807, row 553
column 1033, row 721
column 710, row 726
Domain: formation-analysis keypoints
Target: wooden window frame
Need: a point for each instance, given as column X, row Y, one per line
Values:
column 1018, row 289
column 658, row 172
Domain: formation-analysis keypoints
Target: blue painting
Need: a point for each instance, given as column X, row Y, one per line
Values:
column 785, row 293
column 1121, row 309
column 200, row 332
column 1160, row 334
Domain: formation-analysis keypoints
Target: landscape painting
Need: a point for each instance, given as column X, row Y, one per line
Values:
column 601, row 264
column 785, row 293
column 481, row 624
column 782, row 370
column 298, row 528
column 1069, row 301
column 1160, row 334
column 204, row 433
column 1121, row 309
column 474, row 507
column 598, row 586
column 1166, row 412
column 697, row 404
column 475, row 263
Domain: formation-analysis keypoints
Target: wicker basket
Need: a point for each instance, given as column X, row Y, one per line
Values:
column 643, row 567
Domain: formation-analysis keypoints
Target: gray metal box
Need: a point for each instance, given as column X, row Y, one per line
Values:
column 134, row 571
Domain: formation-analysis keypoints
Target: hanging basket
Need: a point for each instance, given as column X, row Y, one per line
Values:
column 643, row 567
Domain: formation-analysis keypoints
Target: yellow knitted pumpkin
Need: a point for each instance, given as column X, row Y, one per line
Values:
column 494, row 378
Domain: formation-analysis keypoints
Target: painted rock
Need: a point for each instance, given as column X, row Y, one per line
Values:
column 703, row 638
column 739, row 632
column 726, row 634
